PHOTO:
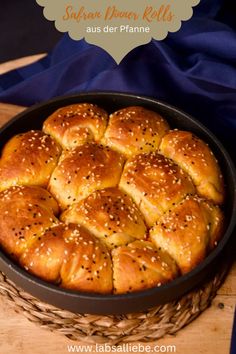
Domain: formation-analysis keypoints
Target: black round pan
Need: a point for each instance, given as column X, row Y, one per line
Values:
column 119, row 304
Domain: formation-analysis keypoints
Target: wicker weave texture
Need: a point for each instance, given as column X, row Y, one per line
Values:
column 145, row 326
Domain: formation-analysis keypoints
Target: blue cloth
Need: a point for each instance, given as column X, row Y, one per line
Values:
column 193, row 69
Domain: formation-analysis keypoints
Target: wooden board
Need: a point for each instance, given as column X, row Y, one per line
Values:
column 208, row 334
column 17, row 63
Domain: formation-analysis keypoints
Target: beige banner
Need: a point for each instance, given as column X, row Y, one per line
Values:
column 118, row 26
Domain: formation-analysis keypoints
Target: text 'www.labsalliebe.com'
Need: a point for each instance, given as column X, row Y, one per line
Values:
column 124, row 348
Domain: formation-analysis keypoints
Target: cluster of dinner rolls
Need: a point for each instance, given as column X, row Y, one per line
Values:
column 109, row 204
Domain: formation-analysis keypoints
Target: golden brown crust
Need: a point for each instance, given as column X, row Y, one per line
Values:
column 25, row 213
column 155, row 183
column 70, row 256
column 216, row 224
column 134, row 130
column 196, row 158
column 89, row 267
column 83, row 170
column 76, row 124
column 126, row 225
column 109, row 214
column 188, row 230
column 139, row 266
column 28, row 159
column 45, row 256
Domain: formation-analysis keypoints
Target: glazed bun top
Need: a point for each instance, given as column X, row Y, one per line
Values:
column 25, row 214
column 72, row 257
column 109, row 204
column 188, row 231
column 76, row 124
column 196, row 158
column 28, row 159
column 155, row 183
column 140, row 265
column 135, row 130
column 83, row 170
column 110, row 215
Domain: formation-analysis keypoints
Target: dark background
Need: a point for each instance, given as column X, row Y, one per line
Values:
column 24, row 30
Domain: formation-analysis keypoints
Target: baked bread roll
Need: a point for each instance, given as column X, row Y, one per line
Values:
column 76, row 124
column 109, row 204
column 134, row 130
column 110, row 215
column 25, row 214
column 139, row 266
column 64, row 254
column 71, row 257
column 28, row 159
column 83, row 170
column 155, row 183
column 196, row 158
column 188, row 230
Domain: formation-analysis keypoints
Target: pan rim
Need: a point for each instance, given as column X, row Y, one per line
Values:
column 156, row 290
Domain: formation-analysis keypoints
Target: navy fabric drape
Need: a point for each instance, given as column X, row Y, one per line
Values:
column 193, row 69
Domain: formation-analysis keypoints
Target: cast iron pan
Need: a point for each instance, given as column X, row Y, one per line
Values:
column 119, row 304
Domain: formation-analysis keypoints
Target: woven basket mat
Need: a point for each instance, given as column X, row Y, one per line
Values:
column 145, row 326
